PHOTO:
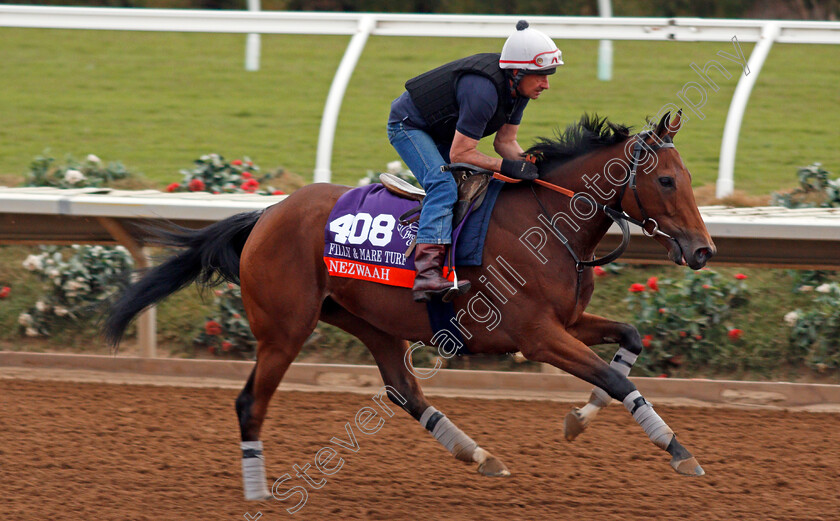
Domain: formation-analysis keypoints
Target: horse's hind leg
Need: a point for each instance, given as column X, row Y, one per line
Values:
column 280, row 336
column 592, row 330
column 403, row 389
column 273, row 359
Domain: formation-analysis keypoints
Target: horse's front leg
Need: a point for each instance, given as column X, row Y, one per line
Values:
column 562, row 350
column 592, row 330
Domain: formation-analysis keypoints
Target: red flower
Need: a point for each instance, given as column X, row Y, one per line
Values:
column 237, row 315
column 706, row 286
column 653, row 284
column 661, row 311
column 599, row 271
column 683, row 334
column 211, row 350
column 740, row 276
column 646, row 340
column 196, row 185
column 247, row 175
column 172, row 187
column 250, row 185
column 698, row 337
column 212, row 328
column 735, row 334
column 636, row 288
column 663, row 375
column 278, row 192
column 236, row 162
column 226, row 346
column 5, row 291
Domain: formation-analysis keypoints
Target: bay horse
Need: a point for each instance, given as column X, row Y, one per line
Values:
column 277, row 257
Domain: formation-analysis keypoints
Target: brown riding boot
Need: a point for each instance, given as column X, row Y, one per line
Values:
column 429, row 282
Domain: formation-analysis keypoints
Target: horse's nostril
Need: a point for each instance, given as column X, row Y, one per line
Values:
column 703, row 254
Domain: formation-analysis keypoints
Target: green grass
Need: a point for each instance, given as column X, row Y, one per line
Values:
column 156, row 101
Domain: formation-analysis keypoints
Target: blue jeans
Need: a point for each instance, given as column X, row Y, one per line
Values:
column 424, row 158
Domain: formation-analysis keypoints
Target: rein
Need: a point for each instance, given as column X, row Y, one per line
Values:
column 619, row 216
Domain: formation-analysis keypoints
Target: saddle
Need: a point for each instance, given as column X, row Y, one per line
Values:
column 472, row 187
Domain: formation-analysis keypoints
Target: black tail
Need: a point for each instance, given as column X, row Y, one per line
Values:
column 211, row 256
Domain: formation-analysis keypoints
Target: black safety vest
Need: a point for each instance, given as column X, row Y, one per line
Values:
column 433, row 93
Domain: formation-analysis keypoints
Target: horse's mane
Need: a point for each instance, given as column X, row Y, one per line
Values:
column 589, row 134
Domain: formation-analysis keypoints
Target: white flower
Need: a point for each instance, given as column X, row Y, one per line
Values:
column 53, row 273
column 791, row 318
column 394, row 167
column 61, row 311
column 806, row 288
column 93, row 159
column 31, row 331
column 73, row 285
column 73, row 176
column 41, row 306
column 364, row 181
column 825, row 288
column 25, row 319
column 34, row 262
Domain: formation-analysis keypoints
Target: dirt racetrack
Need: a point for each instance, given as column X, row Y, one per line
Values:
column 81, row 451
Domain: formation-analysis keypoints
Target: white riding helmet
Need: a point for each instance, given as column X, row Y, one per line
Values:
column 531, row 50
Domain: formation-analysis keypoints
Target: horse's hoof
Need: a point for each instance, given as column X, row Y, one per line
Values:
column 687, row 467
column 493, row 467
column 573, row 425
column 488, row 464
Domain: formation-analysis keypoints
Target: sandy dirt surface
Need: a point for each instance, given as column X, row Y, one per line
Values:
column 94, row 451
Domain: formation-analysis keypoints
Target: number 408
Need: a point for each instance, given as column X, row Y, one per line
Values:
column 356, row 229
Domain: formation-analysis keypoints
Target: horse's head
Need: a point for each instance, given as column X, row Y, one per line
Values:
column 660, row 194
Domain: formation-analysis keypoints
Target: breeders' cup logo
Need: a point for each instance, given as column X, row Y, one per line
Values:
column 407, row 232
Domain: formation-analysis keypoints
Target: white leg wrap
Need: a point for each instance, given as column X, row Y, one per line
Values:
column 656, row 429
column 450, row 436
column 599, row 398
column 622, row 362
column 253, row 470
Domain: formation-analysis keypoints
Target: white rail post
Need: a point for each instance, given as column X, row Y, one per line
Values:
column 726, row 170
column 252, row 43
column 605, row 47
column 329, row 120
column 147, row 320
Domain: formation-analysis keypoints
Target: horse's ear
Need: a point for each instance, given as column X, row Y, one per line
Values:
column 669, row 126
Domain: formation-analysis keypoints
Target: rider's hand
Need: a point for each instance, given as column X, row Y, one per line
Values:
column 519, row 169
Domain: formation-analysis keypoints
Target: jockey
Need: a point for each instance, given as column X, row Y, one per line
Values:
column 442, row 116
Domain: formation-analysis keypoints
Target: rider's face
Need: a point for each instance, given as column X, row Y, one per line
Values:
column 532, row 85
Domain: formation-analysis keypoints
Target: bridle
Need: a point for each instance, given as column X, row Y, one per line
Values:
column 638, row 146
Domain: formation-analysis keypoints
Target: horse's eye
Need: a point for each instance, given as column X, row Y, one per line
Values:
column 667, row 182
